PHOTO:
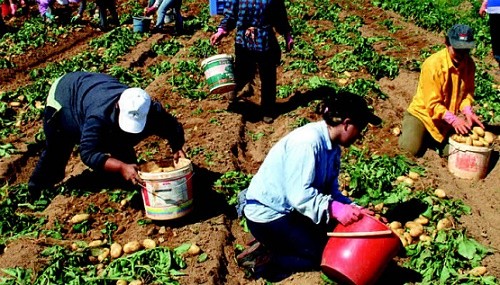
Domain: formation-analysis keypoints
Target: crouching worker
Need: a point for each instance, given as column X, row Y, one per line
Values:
column 445, row 89
column 106, row 119
column 294, row 199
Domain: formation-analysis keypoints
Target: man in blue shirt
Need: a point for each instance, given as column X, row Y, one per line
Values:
column 294, row 197
column 256, row 44
column 106, row 119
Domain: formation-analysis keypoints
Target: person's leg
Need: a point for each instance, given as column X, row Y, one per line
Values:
column 494, row 20
column 113, row 13
column 179, row 23
column 101, row 5
column 50, row 168
column 244, row 69
column 267, row 74
column 413, row 134
column 296, row 243
column 162, row 11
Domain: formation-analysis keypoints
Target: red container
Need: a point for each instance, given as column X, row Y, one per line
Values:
column 5, row 9
column 359, row 260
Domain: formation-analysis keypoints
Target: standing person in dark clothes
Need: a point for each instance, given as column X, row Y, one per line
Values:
column 256, row 44
column 106, row 119
column 105, row 6
column 492, row 8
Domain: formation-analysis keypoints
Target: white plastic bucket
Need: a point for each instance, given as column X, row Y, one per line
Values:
column 168, row 195
column 468, row 162
column 219, row 73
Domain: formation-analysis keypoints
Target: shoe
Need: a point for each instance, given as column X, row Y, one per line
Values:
column 267, row 120
column 253, row 256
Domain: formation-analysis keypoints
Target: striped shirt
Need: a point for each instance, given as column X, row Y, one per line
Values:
column 261, row 16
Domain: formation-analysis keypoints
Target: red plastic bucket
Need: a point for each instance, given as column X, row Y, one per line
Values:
column 5, row 9
column 359, row 260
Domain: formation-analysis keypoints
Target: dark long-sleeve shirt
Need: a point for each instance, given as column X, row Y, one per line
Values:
column 263, row 15
column 89, row 115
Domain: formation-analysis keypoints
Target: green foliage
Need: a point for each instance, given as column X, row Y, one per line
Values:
column 443, row 258
column 159, row 265
column 169, row 47
column 231, row 183
column 371, row 176
column 202, row 49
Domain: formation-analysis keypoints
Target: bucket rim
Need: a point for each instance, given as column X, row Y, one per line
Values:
column 216, row 57
column 466, row 147
column 179, row 172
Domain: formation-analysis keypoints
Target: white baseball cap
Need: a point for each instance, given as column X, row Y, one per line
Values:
column 134, row 107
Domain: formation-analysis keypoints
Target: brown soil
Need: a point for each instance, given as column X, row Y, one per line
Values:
column 212, row 224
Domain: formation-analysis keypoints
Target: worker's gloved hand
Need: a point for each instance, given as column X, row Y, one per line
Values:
column 289, row 42
column 471, row 117
column 150, row 10
column 215, row 38
column 457, row 123
column 345, row 214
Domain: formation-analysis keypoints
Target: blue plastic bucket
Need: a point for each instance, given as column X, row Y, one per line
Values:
column 141, row 24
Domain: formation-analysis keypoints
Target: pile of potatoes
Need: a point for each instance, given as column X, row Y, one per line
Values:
column 477, row 137
column 414, row 231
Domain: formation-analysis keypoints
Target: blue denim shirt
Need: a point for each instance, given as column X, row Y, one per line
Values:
column 263, row 15
column 300, row 173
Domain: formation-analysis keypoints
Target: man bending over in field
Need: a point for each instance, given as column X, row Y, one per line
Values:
column 107, row 119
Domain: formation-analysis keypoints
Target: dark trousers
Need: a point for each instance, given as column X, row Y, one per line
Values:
column 245, row 68
column 494, row 20
column 51, row 166
column 104, row 7
column 296, row 243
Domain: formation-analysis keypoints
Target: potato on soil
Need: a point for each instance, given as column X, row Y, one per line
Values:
column 399, row 231
column 131, row 247
column 76, row 219
column 444, row 224
column 395, row 225
column 408, row 181
column 148, row 243
column 408, row 237
column 194, row 249
column 424, row 238
column 104, row 254
column 378, row 207
column 116, row 250
column 121, row 282
column 400, row 178
column 95, row 243
column 416, row 231
column 413, row 175
column 440, row 193
column 478, row 271
column 136, row 282
column 422, row 220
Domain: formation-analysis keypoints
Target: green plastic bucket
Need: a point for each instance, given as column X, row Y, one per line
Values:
column 141, row 24
column 219, row 73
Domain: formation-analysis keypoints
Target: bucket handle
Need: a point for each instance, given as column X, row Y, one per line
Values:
column 359, row 234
